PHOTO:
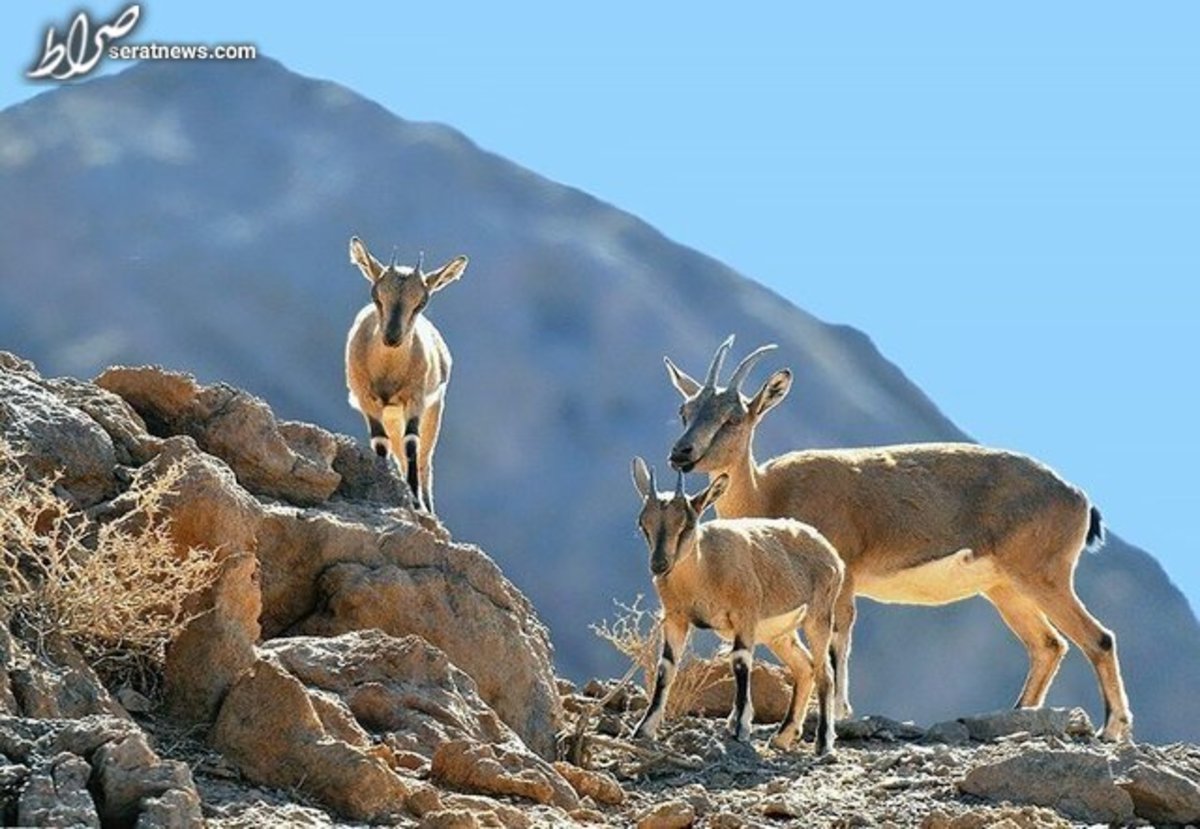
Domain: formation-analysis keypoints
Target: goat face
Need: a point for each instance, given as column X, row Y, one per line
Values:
column 719, row 421
column 400, row 293
column 668, row 522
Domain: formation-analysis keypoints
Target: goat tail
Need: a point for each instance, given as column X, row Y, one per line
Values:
column 1095, row 533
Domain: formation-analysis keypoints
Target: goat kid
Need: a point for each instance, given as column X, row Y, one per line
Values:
column 398, row 365
column 750, row 581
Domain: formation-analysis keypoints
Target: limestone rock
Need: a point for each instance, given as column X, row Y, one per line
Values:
column 1037, row 722
column 403, row 690
column 1076, row 784
column 52, row 438
column 57, row 795
column 599, row 786
column 500, row 770
column 57, row 682
column 1162, row 795
column 128, row 772
column 950, row 732
column 236, row 427
column 348, row 568
column 670, row 814
column 268, row 725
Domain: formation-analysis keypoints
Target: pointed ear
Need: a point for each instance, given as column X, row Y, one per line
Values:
column 446, row 274
column 681, row 381
column 702, row 500
column 641, row 477
column 772, row 393
column 371, row 267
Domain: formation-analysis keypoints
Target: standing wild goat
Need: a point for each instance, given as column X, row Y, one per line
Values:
column 397, row 365
column 750, row 581
column 916, row 524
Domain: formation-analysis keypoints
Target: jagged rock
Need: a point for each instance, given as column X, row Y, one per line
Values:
column 1161, row 795
column 52, row 438
column 236, row 427
column 770, row 689
column 270, row 727
column 129, row 772
column 403, row 690
column 877, row 728
column 950, row 732
column 173, row 809
column 348, row 568
column 1076, row 784
column 783, row 806
column 57, row 795
column 1037, row 722
column 56, row 682
column 132, row 444
column 671, row 814
column 500, row 770
column 600, row 786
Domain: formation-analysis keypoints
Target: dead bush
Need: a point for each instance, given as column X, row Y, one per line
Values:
column 116, row 590
column 637, row 633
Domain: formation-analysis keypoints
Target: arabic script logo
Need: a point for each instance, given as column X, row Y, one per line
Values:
column 80, row 51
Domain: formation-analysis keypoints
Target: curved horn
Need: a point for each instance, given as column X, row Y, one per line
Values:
column 714, row 368
column 739, row 373
column 679, row 483
column 392, row 264
column 420, row 263
column 653, row 484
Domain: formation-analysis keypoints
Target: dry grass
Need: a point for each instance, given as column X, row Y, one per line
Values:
column 637, row 633
column 116, row 591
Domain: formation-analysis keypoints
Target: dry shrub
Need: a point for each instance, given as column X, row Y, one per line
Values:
column 637, row 633
column 116, row 591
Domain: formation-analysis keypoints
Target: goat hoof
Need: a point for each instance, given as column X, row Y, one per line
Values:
column 783, row 741
column 1117, row 732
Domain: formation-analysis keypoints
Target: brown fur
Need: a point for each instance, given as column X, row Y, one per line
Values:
column 750, row 580
column 918, row 524
column 392, row 384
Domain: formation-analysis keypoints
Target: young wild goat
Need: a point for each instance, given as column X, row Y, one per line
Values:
column 397, row 365
column 750, row 581
column 916, row 524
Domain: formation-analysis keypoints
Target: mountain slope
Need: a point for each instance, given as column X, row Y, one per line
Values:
column 196, row 215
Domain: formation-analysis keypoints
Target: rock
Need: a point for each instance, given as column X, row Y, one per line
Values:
column 1037, row 722
column 133, row 702
column 56, row 682
column 770, row 689
column 132, row 444
column 1078, row 785
column 783, row 806
column 57, row 795
column 128, row 772
column 1161, row 795
column 403, row 690
column 270, row 727
column 500, row 770
column 348, row 568
column 600, row 786
column 52, row 438
column 877, row 728
column 236, row 427
column 173, row 809
column 950, row 732
column 670, row 814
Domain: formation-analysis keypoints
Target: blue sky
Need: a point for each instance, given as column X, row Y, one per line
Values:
column 1006, row 198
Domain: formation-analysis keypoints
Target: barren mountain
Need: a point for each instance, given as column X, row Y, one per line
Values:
column 196, row 216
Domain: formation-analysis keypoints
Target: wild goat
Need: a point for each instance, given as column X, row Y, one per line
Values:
column 750, row 581
column 916, row 524
column 397, row 365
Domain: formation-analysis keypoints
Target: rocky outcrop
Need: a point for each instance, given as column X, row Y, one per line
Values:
column 1077, row 784
column 344, row 639
column 92, row 771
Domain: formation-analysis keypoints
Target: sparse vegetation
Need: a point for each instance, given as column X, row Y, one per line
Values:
column 636, row 632
column 117, row 591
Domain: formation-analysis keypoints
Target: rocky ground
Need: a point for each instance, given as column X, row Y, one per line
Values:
column 351, row 664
